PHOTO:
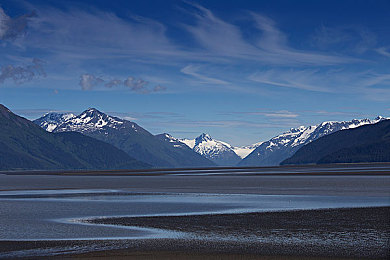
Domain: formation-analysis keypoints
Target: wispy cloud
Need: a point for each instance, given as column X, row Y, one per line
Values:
column 193, row 70
column 226, row 39
column 267, row 113
column 299, row 79
column 22, row 74
column 89, row 81
column 11, row 28
column 336, row 81
column 85, row 34
column 346, row 38
column 225, row 123
column 385, row 51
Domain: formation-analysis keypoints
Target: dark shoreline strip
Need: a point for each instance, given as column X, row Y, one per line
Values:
column 346, row 232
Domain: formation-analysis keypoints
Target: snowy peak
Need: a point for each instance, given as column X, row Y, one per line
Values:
column 52, row 120
column 219, row 152
column 205, row 142
column 93, row 118
column 203, row 138
column 90, row 120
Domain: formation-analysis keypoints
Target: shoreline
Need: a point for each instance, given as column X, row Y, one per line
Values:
column 314, row 234
column 281, row 170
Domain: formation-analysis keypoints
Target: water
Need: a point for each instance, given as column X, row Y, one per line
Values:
column 53, row 207
column 56, row 214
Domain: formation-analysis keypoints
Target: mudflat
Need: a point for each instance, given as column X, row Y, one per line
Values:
column 252, row 214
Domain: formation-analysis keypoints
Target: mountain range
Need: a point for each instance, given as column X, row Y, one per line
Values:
column 26, row 146
column 164, row 150
column 222, row 153
column 281, row 147
column 368, row 143
column 125, row 135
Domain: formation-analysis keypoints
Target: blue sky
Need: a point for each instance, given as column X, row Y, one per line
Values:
column 242, row 71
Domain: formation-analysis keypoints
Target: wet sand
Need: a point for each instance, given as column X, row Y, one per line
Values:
column 313, row 234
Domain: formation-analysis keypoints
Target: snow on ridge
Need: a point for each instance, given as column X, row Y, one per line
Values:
column 212, row 146
column 50, row 121
column 305, row 134
column 189, row 142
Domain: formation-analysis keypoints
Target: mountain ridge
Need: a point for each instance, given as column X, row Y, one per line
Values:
column 129, row 137
column 24, row 145
column 283, row 146
column 367, row 143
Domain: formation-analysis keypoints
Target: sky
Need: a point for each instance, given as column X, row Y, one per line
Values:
column 242, row 71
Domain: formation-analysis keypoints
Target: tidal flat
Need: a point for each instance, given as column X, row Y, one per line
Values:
column 250, row 213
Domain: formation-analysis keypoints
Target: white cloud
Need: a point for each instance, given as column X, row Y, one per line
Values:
column 88, row 81
column 24, row 73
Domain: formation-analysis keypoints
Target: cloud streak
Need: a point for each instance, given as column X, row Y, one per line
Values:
column 330, row 81
column 84, row 34
column 385, row 51
column 194, row 72
column 225, row 39
column 11, row 28
column 346, row 38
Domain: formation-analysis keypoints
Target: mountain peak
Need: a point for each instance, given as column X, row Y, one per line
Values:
column 203, row 138
column 380, row 118
column 92, row 111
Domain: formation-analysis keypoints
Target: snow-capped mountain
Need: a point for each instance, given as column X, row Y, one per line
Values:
column 93, row 120
column 221, row 153
column 127, row 136
column 242, row 151
column 283, row 146
column 51, row 120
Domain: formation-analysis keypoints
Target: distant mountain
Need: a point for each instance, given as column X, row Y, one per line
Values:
column 283, row 146
column 244, row 151
column 186, row 152
column 127, row 136
column 50, row 121
column 219, row 152
column 368, row 143
column 24, row 145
